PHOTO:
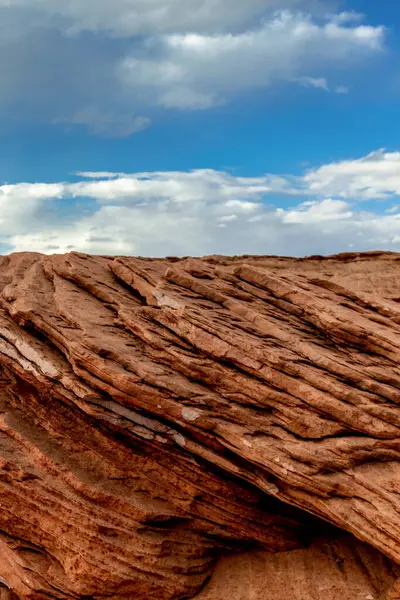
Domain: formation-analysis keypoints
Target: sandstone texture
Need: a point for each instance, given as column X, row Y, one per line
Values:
column 333, row 567
column 162, row 416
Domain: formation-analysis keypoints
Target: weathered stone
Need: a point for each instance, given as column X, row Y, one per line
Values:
column 156, row 414
column 336, row 566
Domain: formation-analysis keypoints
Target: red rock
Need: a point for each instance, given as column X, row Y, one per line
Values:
column 157, row 414
column 333, row 567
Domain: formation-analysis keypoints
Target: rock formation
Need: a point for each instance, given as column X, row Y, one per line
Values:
column 333, row 567
column 157, row 415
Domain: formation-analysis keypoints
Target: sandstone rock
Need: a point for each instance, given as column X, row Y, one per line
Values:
column 333, row 567
column 157, row 414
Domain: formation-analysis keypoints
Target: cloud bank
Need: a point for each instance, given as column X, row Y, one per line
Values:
column 112, row 65
column 352, row 204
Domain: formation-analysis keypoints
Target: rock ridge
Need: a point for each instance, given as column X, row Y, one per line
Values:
column 157, row 414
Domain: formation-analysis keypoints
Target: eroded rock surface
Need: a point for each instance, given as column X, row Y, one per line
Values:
column 335, row 566
column 156, row 414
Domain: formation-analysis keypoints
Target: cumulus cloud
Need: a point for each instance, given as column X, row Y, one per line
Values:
column 205, row 211
column 317, row 212
column 200, row 70
column 111, row 65
column 376, row 175
column 180, row 187
column 20, row 203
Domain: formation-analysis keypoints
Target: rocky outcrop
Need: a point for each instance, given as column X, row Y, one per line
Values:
column 158, row 414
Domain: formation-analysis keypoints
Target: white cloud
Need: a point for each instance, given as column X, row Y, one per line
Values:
column 98, row 174
column 202, row 212
column 179, row 187
column 197, row 71
column 376, row 175
column 19, row 203
column 393, row 209
column 317, row 212
column 347, row 17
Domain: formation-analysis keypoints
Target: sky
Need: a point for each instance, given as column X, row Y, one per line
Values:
column 194, row 127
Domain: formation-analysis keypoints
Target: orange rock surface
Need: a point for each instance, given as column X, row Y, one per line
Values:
column 335, row 566
column 157, row 415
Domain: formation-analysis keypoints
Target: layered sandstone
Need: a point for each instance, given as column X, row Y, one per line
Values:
column 159, row 414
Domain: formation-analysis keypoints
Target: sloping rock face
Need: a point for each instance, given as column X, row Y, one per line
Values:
column 158, row 414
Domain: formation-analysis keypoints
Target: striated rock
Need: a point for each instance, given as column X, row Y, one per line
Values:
column 334, row 567
column 158, row 414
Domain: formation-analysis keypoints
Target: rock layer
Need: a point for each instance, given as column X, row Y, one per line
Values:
column 157, row 413
column 335, row 566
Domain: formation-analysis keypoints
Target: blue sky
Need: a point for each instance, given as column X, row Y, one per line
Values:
column 172, row 127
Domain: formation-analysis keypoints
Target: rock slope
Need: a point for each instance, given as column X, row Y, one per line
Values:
column 157, row 414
